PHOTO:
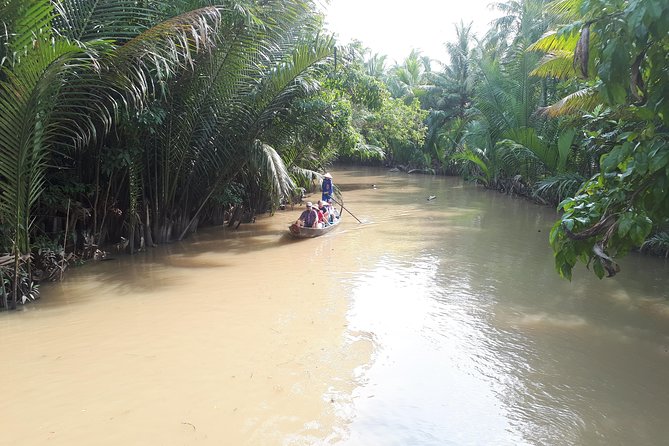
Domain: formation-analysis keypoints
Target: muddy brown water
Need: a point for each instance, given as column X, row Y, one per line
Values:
column 436, row 322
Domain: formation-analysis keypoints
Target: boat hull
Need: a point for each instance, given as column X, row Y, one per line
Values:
column 298, row 232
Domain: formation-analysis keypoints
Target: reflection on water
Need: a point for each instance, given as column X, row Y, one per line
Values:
column 425, row 386
column 435, row 322
column 477, row 341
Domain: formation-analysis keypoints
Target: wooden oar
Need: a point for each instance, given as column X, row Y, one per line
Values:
column 342, row 206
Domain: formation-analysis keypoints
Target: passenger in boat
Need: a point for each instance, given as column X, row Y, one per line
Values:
column 321, row 218
column 308, row 218
column 326, row 187
column 332, row 211
column 325, row 210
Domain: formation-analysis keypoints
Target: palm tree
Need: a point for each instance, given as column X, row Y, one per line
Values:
column 449, row 96
column 407, row 80
column 66, row 67
column 220, row 123
column 459, row 72
column 253, row 142
column 375, row 66
column 507, row 95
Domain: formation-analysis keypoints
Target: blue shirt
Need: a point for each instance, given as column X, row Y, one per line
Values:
column 309, row 216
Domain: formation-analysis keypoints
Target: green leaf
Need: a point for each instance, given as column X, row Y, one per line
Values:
column 659, row 161
column 568, row 223
column 611, row 160
column 640, row 230
column 598, row 268
column 625, row 224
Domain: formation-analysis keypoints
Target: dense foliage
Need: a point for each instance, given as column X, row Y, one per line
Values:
column 626, row 43
column 563, row 102
column 124, row 124
column 127, row 123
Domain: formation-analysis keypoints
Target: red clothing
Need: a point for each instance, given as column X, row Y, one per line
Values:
column 321, row 217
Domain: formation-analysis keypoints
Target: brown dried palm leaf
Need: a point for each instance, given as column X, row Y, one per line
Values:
column 582, row 52
column 637, row 85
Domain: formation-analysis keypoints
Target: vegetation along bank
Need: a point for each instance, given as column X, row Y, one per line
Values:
column 125, row 124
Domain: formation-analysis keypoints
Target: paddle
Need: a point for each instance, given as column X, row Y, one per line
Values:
column 342, row 206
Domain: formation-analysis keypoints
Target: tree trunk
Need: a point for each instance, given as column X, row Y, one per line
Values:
column 97, row 193
column 148, row 236
column 163, row 230
column 15, row 285
column 101, row 235
column 131, row 239
column 236, row 216
column 3, row 297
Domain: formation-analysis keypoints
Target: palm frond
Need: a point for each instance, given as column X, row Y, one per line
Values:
column 368, row 152
column 658, row 244
column 271, row 167
column 554, row 41
column 528, row 138
column 473, row 165
column 28, row 102
column 290, row 79
column 115, row 20
column 303, row 175
column 167, row 47
column 558, row 64
column 564, row 145
column 565, row 10
column 22, row 20
column 585, row 99
column 556, row 188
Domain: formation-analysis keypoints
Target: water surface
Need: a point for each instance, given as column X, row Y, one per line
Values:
column 432, row 323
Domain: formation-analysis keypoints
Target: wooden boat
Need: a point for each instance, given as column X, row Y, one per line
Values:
column 298, row 232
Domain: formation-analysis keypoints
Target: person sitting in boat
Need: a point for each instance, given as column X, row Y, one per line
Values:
column 308, row 218
column 332, row 211
column 322, row 222
column 325, row 210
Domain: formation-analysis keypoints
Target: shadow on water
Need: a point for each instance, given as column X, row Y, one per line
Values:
column 167, row 265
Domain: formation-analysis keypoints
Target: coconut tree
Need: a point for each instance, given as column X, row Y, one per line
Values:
column 507, row 96
column 408, row 79
column 459, row 72
column 375, row 65
column 448, row 97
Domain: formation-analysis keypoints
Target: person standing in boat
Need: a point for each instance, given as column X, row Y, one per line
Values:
column 308, row 218
column 326, row 187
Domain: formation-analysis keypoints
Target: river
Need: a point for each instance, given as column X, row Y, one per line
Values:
column 432, row 322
